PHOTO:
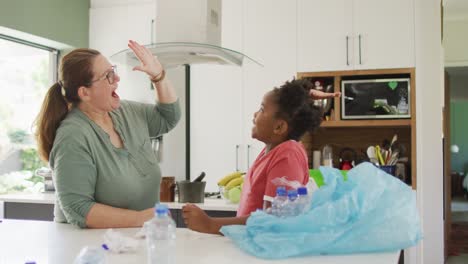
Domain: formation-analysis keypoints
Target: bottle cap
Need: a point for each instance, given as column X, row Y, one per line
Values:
column 161, row 209
column 302, row 191
column 292, row 193
column 280, row 191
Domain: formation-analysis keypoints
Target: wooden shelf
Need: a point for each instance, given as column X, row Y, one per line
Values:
column 359, row 134
column 367, row 123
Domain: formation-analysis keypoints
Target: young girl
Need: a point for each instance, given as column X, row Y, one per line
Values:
column 285, row 115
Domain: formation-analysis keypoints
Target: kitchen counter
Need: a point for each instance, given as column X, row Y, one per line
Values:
column 40, row 206
column 49, row 198
column 49, row 242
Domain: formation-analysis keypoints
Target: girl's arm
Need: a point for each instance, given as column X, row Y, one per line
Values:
column 196, row 219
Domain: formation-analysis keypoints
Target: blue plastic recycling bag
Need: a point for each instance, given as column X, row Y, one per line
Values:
column 370, row 212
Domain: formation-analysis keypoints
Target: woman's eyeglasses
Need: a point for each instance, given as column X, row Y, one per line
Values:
column 110, row 75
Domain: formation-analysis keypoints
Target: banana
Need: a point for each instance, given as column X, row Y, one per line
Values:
column 229, row 177
column 234, row 182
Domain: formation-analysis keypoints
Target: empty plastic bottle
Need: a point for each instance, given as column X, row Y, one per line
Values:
column 92, row 255
column 290, row 206
column 161, row 237
column 303, row 200
column 278, row 202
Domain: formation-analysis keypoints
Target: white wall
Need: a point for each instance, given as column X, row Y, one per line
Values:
column 429, row 101
column 456, row 42
column 173, row 161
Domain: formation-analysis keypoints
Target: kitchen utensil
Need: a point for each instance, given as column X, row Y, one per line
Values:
column 394, row 159
column 372, row 155
column 379, row 155
column 200, row 178
column 191, row 192
column 394, row 139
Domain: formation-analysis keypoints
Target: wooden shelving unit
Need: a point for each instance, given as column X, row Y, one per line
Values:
column 358, row 134
column 367, row 123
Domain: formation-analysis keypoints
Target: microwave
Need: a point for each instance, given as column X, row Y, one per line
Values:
column 387, row 98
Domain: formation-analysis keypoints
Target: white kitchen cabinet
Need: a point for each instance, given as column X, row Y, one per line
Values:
column 269, row 37
column 385, row 29
column 216, row 108
column 324, row 35
column 355, row 34
column 110, row 27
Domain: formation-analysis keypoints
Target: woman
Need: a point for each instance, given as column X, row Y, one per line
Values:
column 98, row 146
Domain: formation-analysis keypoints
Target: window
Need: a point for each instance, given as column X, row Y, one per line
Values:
column 27, row 71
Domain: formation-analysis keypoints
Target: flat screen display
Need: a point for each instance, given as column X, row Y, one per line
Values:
column 375, row 99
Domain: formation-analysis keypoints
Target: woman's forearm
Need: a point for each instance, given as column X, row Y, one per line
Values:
column 165, row 91
column 104, row 216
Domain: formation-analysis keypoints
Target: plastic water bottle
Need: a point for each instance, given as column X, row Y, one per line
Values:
column 278, row 202
column 92, row 255
column 290, row 206
column 303, row 200
column 161, row 237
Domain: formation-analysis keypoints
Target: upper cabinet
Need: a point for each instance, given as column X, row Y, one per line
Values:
column 112, row 25
column 339, row 35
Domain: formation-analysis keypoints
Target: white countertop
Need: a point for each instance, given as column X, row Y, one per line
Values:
column 49, row 198
column 39, row 198
column 49, row 242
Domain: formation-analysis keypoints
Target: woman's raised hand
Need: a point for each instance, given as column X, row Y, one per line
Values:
column 149, row 63
column 315, row 94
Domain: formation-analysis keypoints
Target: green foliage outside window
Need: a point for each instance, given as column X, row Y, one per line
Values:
column 30, row 160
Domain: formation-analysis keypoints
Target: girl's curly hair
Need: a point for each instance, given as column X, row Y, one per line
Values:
column 297, row 108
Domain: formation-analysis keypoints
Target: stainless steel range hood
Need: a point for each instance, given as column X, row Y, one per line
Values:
column 188, row 32
column 173, row 54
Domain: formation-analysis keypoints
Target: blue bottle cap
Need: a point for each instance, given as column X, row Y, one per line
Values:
column 280, row 191
column 161, row 209
column 292, row 193
column 302, row 191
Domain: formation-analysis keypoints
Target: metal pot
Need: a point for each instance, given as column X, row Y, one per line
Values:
column 191, row 192
column 325, row 104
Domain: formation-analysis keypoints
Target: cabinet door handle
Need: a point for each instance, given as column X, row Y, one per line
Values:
column 237, row 157
column 360, row 60
column 248, row 157
column 347, row 50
